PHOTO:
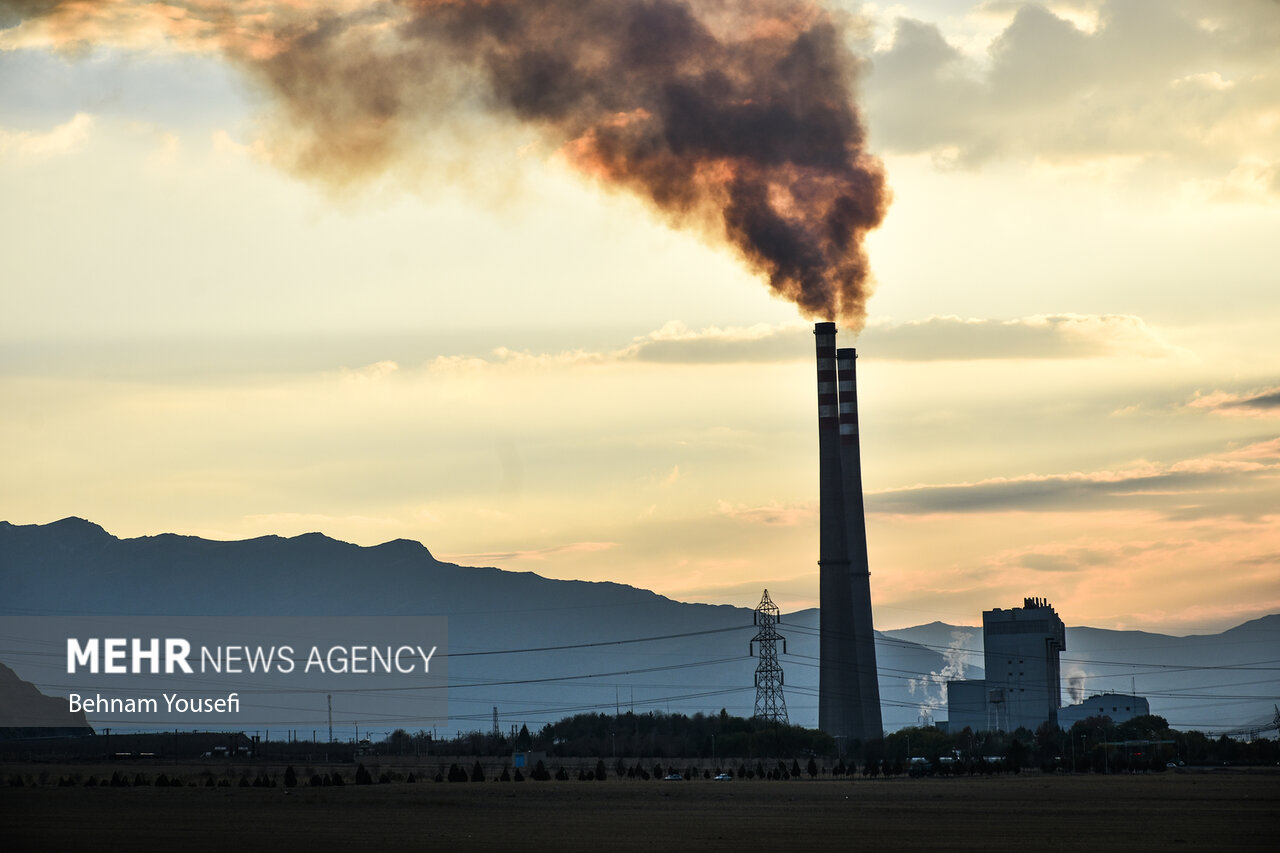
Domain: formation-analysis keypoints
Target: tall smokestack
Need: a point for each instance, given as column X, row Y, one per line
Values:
column 837, row 652
column 865, row 701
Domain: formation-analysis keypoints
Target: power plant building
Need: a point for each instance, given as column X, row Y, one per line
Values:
column 1119, row 707
column 1021, row 648
column 848, row 682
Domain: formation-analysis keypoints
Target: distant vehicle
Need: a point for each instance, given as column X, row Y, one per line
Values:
column 723, row 777
column 673, row 777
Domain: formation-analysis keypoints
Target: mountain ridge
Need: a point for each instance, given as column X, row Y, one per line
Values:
column 699, row 658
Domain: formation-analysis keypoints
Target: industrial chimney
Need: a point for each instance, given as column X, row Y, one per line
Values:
column 867, row 690
column 848, row 689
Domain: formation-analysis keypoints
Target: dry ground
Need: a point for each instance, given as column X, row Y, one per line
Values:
column 1219, row 810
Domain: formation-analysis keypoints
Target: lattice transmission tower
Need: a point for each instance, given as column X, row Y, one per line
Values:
column 771, row 705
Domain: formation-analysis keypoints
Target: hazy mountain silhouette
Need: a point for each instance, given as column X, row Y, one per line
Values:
column 74, row 566
column 26, row 712
column 1202, row 681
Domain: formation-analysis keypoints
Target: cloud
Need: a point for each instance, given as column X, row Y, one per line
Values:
column 1267, row 452
column 1183, row 487
column 1178, row 84
column 1064, row 562
column 1066, row 558
column 675, row 343
column 375, row 372
column 776, row 514
column 1049, row 336
column 528, row 554
column 1054, row 336
column 1254, row 404
column 63, row 139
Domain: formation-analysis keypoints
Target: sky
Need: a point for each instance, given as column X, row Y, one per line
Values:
column 365, row 291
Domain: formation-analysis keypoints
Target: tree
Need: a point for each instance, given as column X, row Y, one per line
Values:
column 1015, row 755
column 290, row 777
column 1048, row 740
column 813, row 768
column 965, row 741
column 1143, row 727
column 400, row 741
column 600, row 771
column 477, row 773
column 362, row 776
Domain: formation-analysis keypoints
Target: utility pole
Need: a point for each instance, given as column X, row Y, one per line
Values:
column 771, row 704
column 330, row 718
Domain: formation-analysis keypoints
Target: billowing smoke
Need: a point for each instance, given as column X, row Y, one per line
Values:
column 952, row 670
column 735, row 117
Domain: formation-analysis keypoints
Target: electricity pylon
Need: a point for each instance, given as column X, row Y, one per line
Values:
column 771, row 705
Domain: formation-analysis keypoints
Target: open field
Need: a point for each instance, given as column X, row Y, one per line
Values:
column 1215, row 810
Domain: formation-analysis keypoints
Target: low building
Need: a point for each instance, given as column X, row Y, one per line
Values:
column 527, row 760
column 1120, row 707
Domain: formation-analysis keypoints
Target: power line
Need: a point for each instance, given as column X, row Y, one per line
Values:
column 596, row 644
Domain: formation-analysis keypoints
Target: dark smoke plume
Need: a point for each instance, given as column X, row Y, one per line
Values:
column 736, row 117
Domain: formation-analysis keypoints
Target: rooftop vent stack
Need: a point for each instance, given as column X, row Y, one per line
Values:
column 866, row 686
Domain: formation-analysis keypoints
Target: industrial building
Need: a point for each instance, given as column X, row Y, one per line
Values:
column 1119, row 707
column 1023, row 684
column 848, row 685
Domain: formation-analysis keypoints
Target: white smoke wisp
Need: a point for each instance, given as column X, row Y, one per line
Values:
column 1074, row 681
column 953, row 670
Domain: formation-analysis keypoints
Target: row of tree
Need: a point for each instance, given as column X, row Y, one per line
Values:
column 1145, row 742
column 649, row 735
